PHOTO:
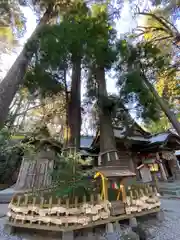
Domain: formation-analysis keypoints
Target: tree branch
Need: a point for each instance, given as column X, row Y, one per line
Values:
column 159, row 19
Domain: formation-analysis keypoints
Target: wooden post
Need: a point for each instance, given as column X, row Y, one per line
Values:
column 50, row 206
column 33, row 203
column 108, row 157
column 161, row 167
column 116, row 156
column 99, row 160
column 132, row 164
column 41, row 205
column 67, row 207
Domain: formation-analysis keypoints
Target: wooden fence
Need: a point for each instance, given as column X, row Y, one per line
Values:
column 42, row 209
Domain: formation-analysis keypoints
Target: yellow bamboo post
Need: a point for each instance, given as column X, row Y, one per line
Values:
column 122, row 190
column 104, row 194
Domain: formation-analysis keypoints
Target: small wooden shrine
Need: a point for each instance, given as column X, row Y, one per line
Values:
column 154, row 151
column 36, row 167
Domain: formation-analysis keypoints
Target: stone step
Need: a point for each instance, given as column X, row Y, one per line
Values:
column 170, row 192
column 170, row 188
column 7, row 194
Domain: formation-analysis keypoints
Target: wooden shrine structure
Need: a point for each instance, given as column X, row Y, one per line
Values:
column 123, row 190
column 138, row 147
column 118, row 196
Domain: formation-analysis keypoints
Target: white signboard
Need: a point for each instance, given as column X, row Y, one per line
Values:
column 145, row 174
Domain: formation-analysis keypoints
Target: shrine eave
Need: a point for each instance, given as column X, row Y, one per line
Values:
column 165, row 140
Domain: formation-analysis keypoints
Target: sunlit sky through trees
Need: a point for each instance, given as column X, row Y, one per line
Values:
column 124, row 25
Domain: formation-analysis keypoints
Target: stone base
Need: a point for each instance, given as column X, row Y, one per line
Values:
column 9, row 229
column 68, row 235
column 117, row 227
column 160, row 216
column 133, row 222
column 109, row 228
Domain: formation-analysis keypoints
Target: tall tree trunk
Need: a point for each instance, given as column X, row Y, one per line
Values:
column 107, row 139
column 170, row 115
column 14, row 114
column 67, row 98
column 74, row 116
column 15, row 76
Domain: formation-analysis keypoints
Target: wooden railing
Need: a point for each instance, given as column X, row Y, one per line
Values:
column 48, row 211
column 54, row 211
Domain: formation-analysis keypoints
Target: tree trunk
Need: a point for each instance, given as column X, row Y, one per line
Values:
column 14, row 114
column 74, row 116
column 170, row 115
column 173, row 4
column 107, row 139
column 15, row 76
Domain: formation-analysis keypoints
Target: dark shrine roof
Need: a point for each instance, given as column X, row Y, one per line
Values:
column 147, row 140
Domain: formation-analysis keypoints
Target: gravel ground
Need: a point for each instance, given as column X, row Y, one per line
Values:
column 168, row 229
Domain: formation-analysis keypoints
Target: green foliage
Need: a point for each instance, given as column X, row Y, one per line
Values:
column 162, row 125
column 160, row 30
column 58, row 45
column 12, row 23
column 47, row 82
column 102, row 37
column 137, row 62
column 69, row 177
column 10, row 157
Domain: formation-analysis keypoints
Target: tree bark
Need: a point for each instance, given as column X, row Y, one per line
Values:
column 172, row 4
column 107, row 139
column 15, row 76
column 13, row 117
column 170, row 115
column 74, row 116
column 66, row 130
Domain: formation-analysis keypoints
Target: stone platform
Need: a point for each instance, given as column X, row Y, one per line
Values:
column 7, row 194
